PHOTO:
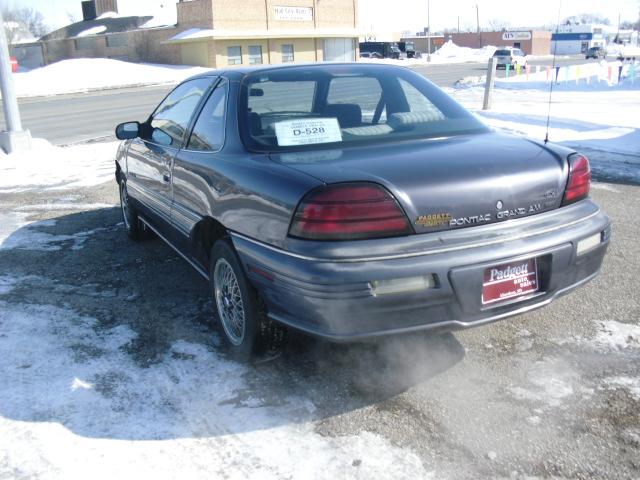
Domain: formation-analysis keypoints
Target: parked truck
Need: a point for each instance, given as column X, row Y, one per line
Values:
column 380, row 49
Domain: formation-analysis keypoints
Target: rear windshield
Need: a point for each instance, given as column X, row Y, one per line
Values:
column 311, row 107
column 502, row 53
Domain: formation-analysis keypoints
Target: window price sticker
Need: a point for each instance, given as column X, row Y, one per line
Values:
column 307, row 131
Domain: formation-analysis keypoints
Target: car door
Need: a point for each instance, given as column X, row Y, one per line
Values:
column 196, row 172
column 150, row 156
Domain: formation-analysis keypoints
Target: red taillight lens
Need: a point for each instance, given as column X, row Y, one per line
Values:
column 349, row 211
column 579, row 179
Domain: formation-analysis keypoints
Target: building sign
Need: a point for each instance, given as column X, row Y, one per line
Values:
column 516, row 35
column 295, row 14
column 571, row 36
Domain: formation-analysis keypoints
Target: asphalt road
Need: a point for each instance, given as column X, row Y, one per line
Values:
column 72, row 118
column 107, row 345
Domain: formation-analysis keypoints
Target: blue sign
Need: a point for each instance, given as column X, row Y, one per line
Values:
column 571, row 36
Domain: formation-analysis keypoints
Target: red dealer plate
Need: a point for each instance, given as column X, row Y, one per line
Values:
column 509, row 281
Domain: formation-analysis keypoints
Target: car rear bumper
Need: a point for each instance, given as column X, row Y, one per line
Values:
column 330, row 293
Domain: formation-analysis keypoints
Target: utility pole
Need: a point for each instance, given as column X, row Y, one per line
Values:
column 478, row 25
column 428, row 31
column 458, row 23
column 14, row 138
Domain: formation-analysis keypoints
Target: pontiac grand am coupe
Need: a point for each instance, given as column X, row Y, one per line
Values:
column 351, row 201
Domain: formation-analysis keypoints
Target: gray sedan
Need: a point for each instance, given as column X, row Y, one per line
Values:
column 352, row 201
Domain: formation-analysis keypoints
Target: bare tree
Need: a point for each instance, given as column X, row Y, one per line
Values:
column 498, row 24
column 19, row 21
column 586, row 18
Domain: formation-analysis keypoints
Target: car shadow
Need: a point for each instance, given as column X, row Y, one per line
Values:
column 113, row 339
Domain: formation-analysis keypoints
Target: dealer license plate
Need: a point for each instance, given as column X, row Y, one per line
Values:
column 509, row 281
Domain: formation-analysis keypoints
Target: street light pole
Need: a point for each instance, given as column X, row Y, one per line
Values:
column 14, row 138
column 428, row 31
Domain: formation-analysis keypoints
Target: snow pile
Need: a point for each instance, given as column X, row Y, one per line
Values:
column 550, row 382
column 452, row 53
column 85, row 74
column 614, row 335
column 50, row 167
column 448, row 53
column 76, row 405
column 108, row 15
column 92, row 31
column 632, row 385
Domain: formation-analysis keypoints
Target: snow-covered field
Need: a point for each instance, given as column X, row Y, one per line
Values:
column 86, row 74
column 605, row 120
column 594, row 117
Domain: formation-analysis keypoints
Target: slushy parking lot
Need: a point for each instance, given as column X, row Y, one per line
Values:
column 112, row 366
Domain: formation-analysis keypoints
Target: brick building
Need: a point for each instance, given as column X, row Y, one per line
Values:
column 531, row 42
column 213, row 33
column 228, row 32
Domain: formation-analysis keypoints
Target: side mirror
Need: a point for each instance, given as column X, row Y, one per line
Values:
column 128, row 130
column 256, row 92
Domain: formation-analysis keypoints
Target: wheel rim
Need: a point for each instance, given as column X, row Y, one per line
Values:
column 229, row 301
column 124, row 203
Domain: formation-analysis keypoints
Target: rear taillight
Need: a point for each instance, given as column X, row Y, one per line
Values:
column 579, row 179
column 349, row 211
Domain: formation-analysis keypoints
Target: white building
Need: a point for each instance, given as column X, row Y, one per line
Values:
column 575, row 39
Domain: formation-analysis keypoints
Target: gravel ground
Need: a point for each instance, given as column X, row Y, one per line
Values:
column 111, row 366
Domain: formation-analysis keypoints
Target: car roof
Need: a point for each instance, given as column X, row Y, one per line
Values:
column 237, row 73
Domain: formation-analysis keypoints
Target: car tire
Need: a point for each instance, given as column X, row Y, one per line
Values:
column 135, row 229
column 248, row 333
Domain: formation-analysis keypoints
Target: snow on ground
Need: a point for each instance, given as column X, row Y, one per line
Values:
column 582, row 77
column 187, row 416
column 50, row 167
column 85, row 74
column 601, row 120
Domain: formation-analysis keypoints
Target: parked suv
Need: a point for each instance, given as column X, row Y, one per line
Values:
column 510, row 56
column 596, row 52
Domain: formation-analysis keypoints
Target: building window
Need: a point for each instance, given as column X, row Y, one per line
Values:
column 287, row 53
column 85, row 43
column 255, row 54
column 234, row 55
column 117, row 41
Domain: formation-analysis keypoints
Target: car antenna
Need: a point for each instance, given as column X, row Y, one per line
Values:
column 553, row 73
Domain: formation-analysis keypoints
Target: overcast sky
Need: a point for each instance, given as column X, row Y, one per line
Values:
column 396, row 15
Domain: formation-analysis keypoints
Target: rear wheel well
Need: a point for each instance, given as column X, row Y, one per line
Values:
column 207, row 232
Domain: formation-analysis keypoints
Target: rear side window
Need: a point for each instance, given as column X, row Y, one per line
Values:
column 208, row 132
column 170, row 120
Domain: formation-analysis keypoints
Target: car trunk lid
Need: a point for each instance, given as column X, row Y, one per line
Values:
column 449, row 183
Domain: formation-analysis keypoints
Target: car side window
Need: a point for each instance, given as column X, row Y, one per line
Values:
column 208, row 131
column 417, row 101
column 171, row 119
